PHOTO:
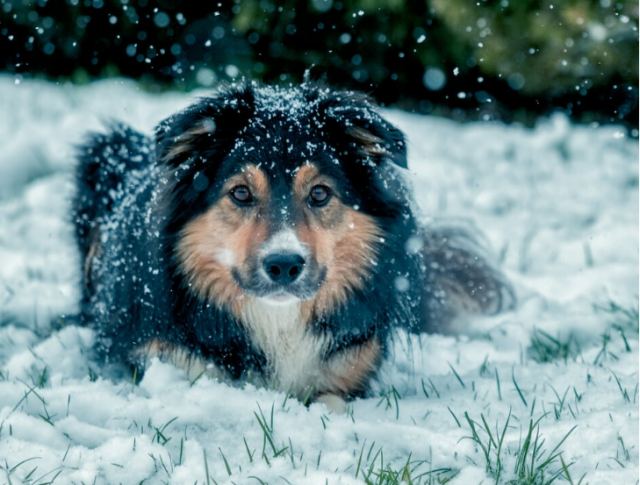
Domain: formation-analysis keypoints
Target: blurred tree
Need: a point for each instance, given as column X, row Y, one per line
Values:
column 159, row 40
column 487, row 58
column 544, row 47
column 376, row 45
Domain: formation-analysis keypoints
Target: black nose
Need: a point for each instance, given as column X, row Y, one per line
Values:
column 283, row 268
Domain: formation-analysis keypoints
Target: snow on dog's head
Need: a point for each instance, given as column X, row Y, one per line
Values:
column 283, row 194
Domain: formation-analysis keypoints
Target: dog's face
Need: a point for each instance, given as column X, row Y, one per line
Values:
column 279, row 194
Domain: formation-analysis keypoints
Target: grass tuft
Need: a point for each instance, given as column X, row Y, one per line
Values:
column 267, row 435
column 520, row 393
column 544, row 347
column 533, row 464
column 372, row 469
column 391, row 400
column 490, row 443
column 159, row 435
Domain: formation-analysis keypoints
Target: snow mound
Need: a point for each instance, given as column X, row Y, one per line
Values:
column 559, row 203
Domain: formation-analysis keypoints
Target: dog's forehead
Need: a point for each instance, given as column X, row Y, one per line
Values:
column 289, row 113
column 280, row 155
column 290, row 101
column 283, row 134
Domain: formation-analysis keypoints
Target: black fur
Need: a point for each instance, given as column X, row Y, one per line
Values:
column 134, row 194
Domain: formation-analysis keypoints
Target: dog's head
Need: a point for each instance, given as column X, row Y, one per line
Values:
column 281, row 193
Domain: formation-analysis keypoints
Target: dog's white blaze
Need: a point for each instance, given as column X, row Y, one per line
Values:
column 285, row 241
column 294, row 353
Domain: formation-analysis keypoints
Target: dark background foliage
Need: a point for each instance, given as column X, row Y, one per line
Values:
column 505, row 59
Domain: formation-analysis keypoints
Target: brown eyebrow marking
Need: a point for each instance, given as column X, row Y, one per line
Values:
column 303, row 178
column 308, row 175
column 253, row 177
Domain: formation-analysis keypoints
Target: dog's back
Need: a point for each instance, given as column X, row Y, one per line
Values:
column 115, row 178
column 104, row 163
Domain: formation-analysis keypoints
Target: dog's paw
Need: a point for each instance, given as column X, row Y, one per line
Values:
column 333, row 402
column 193, row 365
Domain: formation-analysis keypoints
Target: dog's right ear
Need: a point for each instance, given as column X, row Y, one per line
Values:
column 207, row 127
column 367, row 133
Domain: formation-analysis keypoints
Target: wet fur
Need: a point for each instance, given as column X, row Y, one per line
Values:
column 167, row 257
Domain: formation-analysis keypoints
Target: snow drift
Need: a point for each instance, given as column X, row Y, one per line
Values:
column 558, row 203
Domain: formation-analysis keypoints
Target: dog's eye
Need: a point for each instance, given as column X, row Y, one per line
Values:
column 241, row 195
column 319, row 195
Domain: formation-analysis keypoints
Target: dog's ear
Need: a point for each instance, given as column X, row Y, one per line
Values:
column 357, row 119
column 207, row 127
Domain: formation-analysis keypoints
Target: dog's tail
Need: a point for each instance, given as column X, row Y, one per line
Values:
column 460, row 278
column 104, row 161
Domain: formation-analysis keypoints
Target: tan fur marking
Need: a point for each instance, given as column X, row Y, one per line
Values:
column 348, row 372
column 199, row 243
column 371, row 144
column 178, row 149
column 184, row 142
column 303, row 179
column 342, row 240
column 223, row 229
column 254, row 178
column 202, row 239
column 306, row 177
column 347, row 251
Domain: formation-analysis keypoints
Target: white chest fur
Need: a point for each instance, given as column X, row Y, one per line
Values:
column 294, row 354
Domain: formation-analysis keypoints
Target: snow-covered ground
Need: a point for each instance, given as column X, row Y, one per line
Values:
column 559, row 204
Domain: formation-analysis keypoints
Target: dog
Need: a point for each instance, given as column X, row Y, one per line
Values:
column 266, row 234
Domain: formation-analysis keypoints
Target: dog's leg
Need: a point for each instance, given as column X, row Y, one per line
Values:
column 333, row 402
column 347, row 374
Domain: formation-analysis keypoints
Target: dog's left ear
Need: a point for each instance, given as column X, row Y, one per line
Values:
column 370, row 134
column 207, row 127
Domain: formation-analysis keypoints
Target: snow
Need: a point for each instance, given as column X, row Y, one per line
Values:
column 559, row 203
